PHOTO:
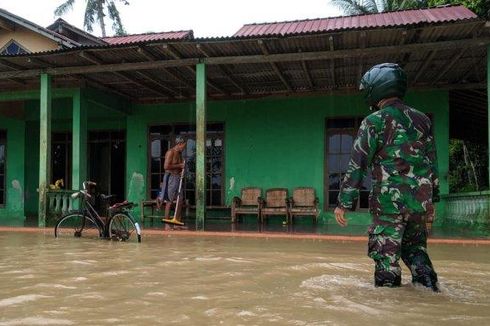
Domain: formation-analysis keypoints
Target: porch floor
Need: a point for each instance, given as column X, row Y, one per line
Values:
column 300, row 229
column 436, row 239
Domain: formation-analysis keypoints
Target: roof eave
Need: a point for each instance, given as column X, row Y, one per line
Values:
column 38, row 29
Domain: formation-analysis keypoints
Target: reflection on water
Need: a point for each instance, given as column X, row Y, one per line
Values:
column 224, row 225
column 228, row 281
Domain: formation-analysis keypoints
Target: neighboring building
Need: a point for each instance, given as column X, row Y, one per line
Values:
column 283, row 107
column 20, row 36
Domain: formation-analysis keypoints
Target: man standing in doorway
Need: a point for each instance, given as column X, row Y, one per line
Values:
column 173, row 166
column 396, row 142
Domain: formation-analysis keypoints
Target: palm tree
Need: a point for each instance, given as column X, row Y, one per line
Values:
column 359, row 7
column 95, row 10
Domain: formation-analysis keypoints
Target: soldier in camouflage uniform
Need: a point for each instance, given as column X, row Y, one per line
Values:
column 396, row 143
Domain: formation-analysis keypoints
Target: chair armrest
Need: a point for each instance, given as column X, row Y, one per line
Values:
column 317, row 201
column 261, row 202
column 291, row 202
column 236, row 202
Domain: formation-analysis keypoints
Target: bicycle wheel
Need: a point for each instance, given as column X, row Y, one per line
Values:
column 77, row 226
column 123, row 228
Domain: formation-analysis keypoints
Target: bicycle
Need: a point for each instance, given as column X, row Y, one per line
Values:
column 87, row 223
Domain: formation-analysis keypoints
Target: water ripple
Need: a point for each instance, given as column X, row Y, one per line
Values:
column 21, row 299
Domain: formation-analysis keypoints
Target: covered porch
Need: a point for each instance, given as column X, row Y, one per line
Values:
column 261, row 99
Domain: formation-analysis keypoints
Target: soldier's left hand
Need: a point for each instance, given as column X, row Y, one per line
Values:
column 340, row 216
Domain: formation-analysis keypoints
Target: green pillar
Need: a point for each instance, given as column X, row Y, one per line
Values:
column 44, row 146
column 488, row 109
column 200, row 145
column 79, row 142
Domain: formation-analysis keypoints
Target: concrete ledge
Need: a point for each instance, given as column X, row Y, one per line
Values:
column 266, row 235
column 468, row 208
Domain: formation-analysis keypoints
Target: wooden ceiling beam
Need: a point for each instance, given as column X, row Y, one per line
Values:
column 191, row 68
column 449, row 65
column 332, row 61
column 223, row 69
column 151, row 57
column 407, row 55
column 158, row 83
column 362, row 45
column 473, row 67
column 274, row 66
column 249, row 59
column 103, row 87
column 146, row 53
column 421, row 70
column 124, row 75
column 11, row 65
column 307, row 74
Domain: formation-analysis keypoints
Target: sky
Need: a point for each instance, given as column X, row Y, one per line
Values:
column 204, row 17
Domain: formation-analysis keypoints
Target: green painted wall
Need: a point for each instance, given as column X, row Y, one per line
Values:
column 272, row 142
column 13, row 212
column 100, row 117
column 276, row 142
column 31, row 168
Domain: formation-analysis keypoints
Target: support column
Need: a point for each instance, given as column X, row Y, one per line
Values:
column 201, row 103
column 79, row 141
column 44, row 146
column 488, row 109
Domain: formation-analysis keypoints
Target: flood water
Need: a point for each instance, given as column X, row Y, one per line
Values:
column 227, row 281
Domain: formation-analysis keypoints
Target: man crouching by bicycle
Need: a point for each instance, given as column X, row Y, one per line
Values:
column 173, row 166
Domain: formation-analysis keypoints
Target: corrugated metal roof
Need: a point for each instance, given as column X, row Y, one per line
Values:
column 387, row 19
column 448, row 66
column 136, row 38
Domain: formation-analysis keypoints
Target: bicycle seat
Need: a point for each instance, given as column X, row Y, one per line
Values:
column 105, row 197
column 121, row 205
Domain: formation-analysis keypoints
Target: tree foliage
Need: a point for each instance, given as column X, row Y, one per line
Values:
column 357, row 7
column 468, row 166
column 95, row 10
column 479, row 7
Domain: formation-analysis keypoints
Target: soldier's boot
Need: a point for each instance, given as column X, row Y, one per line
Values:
column 422, row 271
column 429, row 280
column 387, row 279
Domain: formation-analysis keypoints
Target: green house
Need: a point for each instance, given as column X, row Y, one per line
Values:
column 274, row 105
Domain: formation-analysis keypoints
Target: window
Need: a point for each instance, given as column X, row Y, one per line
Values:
column 12, row 48
column 340, row 134
column 61, row 157
column 3, row 165
column 162, row 138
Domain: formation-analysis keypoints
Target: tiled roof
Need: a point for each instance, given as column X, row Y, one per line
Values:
column 387, row 19
column 136, row 38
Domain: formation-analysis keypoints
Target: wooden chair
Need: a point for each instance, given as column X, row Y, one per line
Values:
column 248, row 203
column 304, row 203
column 276, row 203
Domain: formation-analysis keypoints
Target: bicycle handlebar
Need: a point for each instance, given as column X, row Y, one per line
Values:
column 84, row 192
column 88, row 183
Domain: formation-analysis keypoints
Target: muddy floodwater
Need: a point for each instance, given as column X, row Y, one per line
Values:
column 228, row 281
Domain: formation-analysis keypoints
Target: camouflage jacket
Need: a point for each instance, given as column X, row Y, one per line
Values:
column 396, row 142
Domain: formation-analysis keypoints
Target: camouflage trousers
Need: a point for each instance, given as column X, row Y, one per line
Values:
column 392, row 237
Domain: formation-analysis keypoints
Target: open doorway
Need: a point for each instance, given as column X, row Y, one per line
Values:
column 107, row 161
column 468, row 147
